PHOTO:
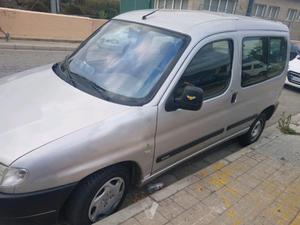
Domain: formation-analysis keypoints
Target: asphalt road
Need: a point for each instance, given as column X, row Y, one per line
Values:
column 12, row 61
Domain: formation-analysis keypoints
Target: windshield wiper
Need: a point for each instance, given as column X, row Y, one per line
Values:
column 95, row 87
column 71, row 78
column 101, row 91
column 67, row 72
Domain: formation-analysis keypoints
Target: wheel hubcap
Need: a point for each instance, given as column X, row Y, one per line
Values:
column 256, row 129
column 107, row 199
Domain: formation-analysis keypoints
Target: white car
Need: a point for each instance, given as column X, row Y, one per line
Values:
column 293, row 76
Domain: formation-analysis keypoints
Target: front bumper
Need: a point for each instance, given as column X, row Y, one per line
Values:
column 287, row 82
column 289, row 79
column 37, row 208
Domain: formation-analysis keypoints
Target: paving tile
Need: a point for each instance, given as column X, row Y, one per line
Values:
column 228, row 196
column 198, row 191
column 184, row 199
column 249, row 180
column 296, row 221
column 289, row 199
column 249, row 207
column 279, row 214
column 294, row 187
column 235, row 169
column 197, row 215
column 231, row 217
column 131, row 221
column 257, row 156
column 260, row 143
column 258, row 172
column 267, row 191
column 211, row 168
column 224, row 219
column 169, row 209
column 260, row 220
column 286, row 175
column 262, row 196
column 237, row 155
column 173, row 188
column 239, row 187
column 151, row 219
column 211, row 183
column 248, row 161
column 216, row 203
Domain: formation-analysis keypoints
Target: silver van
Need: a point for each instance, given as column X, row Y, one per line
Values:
column 145, row 92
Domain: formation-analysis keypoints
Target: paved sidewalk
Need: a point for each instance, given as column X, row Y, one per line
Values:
column 38, row 45
column 257, row 185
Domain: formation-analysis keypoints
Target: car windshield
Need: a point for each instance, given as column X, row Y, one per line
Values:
column 125, row 61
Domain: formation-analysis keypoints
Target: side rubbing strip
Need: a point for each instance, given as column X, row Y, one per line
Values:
column 241, row 122
column 189, row 145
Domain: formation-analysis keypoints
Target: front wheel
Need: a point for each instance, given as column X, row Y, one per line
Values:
column 254, row 131
column 98, row 196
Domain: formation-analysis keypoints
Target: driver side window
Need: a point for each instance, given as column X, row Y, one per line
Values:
column 210, row 69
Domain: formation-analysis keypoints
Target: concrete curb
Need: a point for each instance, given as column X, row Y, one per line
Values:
column 18, row 46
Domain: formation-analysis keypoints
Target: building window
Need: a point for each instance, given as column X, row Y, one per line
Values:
column 259, row 10
column 292, row 13
column 227, row 6
column 171, row 4
column 177, row 4
column 273, row 12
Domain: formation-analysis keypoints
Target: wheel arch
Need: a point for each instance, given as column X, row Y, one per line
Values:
column 269, row 111
column 135, row 178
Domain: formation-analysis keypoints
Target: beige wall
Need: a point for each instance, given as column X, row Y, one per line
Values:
column 46, row 26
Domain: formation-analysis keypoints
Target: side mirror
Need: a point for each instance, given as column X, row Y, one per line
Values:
column 190, row 99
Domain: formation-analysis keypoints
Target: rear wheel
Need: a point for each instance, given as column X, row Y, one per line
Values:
column 98, row 196
column 254, row 131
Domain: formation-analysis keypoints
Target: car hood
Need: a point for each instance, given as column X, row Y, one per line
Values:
column 294, row 65
column 37, row 107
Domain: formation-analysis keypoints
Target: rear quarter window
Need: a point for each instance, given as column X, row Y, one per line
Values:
column 263, row 59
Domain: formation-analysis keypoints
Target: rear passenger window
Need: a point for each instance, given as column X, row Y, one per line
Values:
column 263, row 58
column 277, row 56
column 210, row 69
column 254, row 54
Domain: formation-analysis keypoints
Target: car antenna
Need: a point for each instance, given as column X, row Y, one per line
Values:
column 145, row 16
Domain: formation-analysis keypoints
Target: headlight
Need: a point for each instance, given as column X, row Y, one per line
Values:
column 10, row 177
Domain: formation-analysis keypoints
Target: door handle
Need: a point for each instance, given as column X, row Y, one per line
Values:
column 234, row 97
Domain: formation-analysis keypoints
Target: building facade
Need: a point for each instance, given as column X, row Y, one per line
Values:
column 286, row 11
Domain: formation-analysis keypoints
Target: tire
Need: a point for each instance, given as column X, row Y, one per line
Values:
column 80, row 210
column 254, row 131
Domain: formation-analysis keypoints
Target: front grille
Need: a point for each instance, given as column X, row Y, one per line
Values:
column 291, row 75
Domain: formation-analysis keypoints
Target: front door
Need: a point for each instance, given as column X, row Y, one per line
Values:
column 181, row 133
